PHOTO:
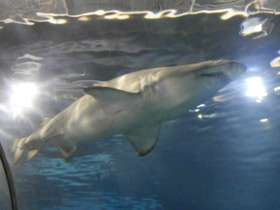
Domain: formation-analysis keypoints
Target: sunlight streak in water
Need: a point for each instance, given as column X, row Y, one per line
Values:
column 255, row 88
column 22, row 96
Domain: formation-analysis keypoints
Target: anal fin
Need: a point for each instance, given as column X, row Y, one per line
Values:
column 67, row 152
column 144, row 139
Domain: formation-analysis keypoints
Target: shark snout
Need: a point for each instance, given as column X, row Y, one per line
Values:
column 236, row 69
column 224, row 70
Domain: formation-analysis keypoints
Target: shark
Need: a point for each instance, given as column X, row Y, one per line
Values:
column 134, row 104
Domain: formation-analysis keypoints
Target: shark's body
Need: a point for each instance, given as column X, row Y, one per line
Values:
column 135, row 104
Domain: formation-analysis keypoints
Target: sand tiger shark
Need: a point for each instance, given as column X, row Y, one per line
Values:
column 134, row 104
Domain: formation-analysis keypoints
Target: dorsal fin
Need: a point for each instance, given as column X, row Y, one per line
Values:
column 113, row 100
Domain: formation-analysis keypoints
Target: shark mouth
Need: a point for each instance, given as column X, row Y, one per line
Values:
column 218, row 75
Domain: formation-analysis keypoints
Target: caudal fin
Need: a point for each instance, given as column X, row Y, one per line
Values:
column 18, row 149
column 19, row 146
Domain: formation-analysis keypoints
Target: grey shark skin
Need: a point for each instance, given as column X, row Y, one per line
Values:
column 135, row 104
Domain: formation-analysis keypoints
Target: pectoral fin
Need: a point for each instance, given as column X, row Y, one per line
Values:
column 113, row 100
column 143, row 140
column 31, row 154
column 67, row 152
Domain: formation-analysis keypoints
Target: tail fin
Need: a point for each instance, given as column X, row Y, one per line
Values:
column 18, row 149
column 19, row 146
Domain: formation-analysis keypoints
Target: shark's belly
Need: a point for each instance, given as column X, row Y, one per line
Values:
column 89, row 122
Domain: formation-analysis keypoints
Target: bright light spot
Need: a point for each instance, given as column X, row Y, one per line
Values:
column 99, row 12
column 116, row 16
column 229, row 14
column 16, row 111
column 200, row 116
column 255, row 88
column 22, row 96
column 253, row 68
column 264, row 120
column 214, row 115
column 194, row 110
column 84, row 18
column 59, row 21
column 277, row 90
column 251, row 25
column 275, row 63
column 123, row 17
column 201, row 106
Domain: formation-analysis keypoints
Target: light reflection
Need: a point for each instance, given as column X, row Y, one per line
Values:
column 265, row 120
column 255, row 88
column 201, row 106
column 58, row 21
column 147, row 14
column 194, row 110
column 51, row 18
column 210, row 116
column 275, row 63
column 116, row 16
column 277, row 90
column 84, row 18
column 22, row 96
column 198, row 108
column 253, row 25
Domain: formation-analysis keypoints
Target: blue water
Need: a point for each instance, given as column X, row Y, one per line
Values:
column 225, row 156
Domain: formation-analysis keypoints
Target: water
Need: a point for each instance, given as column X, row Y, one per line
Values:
column 223, row 156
